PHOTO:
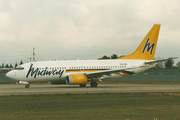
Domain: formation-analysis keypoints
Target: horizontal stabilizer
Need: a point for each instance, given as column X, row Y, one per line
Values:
column 155, row 61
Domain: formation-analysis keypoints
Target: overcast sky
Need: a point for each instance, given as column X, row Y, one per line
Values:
column 85, row 29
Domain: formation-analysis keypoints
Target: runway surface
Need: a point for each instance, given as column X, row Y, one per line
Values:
column 75, row 89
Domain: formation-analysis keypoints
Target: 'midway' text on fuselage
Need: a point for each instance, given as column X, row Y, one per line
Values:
column 43, row 72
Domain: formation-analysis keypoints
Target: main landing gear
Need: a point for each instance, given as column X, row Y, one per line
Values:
column 94, row 84
column 27, row 86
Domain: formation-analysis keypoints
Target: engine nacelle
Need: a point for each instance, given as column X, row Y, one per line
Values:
column 76, row 79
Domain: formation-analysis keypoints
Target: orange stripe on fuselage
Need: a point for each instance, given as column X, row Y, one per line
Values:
column 71, row 71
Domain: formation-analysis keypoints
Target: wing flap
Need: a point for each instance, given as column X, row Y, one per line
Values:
column 107, row 72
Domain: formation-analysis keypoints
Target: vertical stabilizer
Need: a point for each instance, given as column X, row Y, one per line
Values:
column 147, row 48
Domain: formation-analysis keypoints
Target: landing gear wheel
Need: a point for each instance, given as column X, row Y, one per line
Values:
column 82, row 85
column 27, row 86
column 93, row 84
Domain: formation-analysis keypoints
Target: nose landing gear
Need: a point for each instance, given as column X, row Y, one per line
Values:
column 26, row 83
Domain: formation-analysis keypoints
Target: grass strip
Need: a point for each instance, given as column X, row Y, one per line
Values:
column 121, row 106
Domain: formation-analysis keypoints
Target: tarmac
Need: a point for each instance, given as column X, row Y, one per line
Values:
column 8, row 90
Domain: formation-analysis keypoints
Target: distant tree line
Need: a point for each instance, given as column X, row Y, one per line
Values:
column 167, row 64
column 10, row 65
column 6, row 66
column 113, row 56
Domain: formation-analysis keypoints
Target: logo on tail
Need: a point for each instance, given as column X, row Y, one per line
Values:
column 148, row 46
column 146, row 49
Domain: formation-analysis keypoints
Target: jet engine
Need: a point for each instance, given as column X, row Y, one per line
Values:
column 76, row 79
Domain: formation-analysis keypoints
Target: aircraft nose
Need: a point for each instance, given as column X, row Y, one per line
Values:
column 10, row 74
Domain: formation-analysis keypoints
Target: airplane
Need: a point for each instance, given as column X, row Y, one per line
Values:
column 80, row 72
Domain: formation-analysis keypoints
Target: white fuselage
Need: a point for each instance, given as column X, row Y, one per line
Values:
column 58, row 70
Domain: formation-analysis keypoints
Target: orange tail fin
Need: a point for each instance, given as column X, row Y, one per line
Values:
column 147, row 48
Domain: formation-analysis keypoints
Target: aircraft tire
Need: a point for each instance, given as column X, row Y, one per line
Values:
column 27, row 86
column 82, row 85
column 93, row 84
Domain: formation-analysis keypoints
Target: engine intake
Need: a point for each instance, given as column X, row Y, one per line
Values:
column 76, row 79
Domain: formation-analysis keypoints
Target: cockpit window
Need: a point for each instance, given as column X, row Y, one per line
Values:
column 19, row 68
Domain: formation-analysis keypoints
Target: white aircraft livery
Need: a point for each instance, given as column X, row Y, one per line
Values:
column 79, row 72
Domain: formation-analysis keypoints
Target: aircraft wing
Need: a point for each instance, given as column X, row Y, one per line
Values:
column 108, row 72
column 155, row 61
